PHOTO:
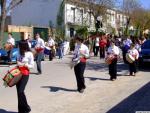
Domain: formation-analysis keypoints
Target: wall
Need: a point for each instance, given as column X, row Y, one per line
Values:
column 36, row 12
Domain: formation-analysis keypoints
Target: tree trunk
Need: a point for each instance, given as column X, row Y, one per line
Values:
column 127, row 27
column 2, row 24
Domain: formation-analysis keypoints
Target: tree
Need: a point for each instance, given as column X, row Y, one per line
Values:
column 128, row 7
column 141, row 19
column 97, row 8
column 82, row 31
column 6, row 6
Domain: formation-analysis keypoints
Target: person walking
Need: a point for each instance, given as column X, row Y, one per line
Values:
column 60, row 49
column 51, row 45
column 102, row 45
column 39, row 47
column 81, row 53
column 25, row 61
column 113, row 50
column 135, row 54
column 10, row 44
column 126, row 46
column 96, row 45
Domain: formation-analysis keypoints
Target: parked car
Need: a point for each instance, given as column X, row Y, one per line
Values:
column 4, row 56
column 144, row 56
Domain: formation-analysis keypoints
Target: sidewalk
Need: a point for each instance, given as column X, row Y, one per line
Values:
column 55, row 90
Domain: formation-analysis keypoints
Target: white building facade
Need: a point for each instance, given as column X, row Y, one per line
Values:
column 41, row 12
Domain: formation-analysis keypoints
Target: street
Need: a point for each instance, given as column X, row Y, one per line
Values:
column 55, row 90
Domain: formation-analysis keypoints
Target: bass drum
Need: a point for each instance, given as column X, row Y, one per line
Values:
column 12, row 77
column 109, row 59
column 130, row 58
column 8, row 47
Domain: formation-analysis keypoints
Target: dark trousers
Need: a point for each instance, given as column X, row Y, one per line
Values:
column 38, row 61
column 96, row 50
column 132, row 67
column 9, row 55
column 113, row 69
column 23, row 106
column 51, row 55
column 102, row 52
column 79, row 72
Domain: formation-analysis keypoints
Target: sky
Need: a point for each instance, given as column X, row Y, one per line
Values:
column 145, row 3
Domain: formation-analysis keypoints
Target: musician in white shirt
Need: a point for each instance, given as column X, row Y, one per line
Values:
column 96, row 45
column 11, row 42
column 113, row 50
column 51, row 45
column 126, row 47
column 25, row 62
column 135, row 54
column 39, row 47
column 81, row 53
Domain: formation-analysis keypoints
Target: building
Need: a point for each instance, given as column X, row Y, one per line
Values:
column 45, row 12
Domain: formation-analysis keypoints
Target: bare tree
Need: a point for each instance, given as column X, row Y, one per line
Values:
column 6, row 6
column 95, row 7
column 128, row 7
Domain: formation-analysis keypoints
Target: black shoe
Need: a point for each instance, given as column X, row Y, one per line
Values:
column 39, row 73
column 81, row 91
column 113, row 79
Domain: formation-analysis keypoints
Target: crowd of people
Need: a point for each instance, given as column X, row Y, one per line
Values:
column 106, row 45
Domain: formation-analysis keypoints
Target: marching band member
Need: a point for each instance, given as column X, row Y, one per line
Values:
column 51, row 44
column 11, row 43
column 135, row 54
column 113, row 50
column 39, row 47
column 126, row 46
column 25, row 61
column 81, row 53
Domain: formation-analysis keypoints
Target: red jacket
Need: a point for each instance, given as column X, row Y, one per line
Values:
column 103, row 43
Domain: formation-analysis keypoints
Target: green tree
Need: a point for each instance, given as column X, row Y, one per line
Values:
column 82, row 31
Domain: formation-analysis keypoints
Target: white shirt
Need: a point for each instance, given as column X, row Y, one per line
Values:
column 97, row 41
column 40, row 43
column 27, row 60
column 113, row 50
column 80, row 51
column 51, row 42
column 134, row 52
column 11, row 41
column 127, row 42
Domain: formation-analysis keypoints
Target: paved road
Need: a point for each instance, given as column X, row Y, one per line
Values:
column 55, row 90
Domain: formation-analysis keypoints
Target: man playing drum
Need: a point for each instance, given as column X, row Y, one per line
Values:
column 113, row 50
column 132, row 65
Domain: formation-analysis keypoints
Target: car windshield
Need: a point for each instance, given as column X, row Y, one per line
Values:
column 146, row 45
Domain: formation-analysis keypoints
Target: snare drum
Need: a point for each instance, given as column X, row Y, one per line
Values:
column 130, row 58
column 8, row 46
column 12, row 77
column 109, row 59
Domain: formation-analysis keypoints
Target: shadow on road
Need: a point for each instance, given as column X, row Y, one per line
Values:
column 138, row 101
column 97, row 66
column 4, row 111
column 55, row 89
column 94, row 79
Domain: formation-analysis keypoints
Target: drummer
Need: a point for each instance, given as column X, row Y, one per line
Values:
column 11, row 42
column 132, row 66
column 25, row 61
column 39, row 47
column 51, row 45
column 113, row 50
